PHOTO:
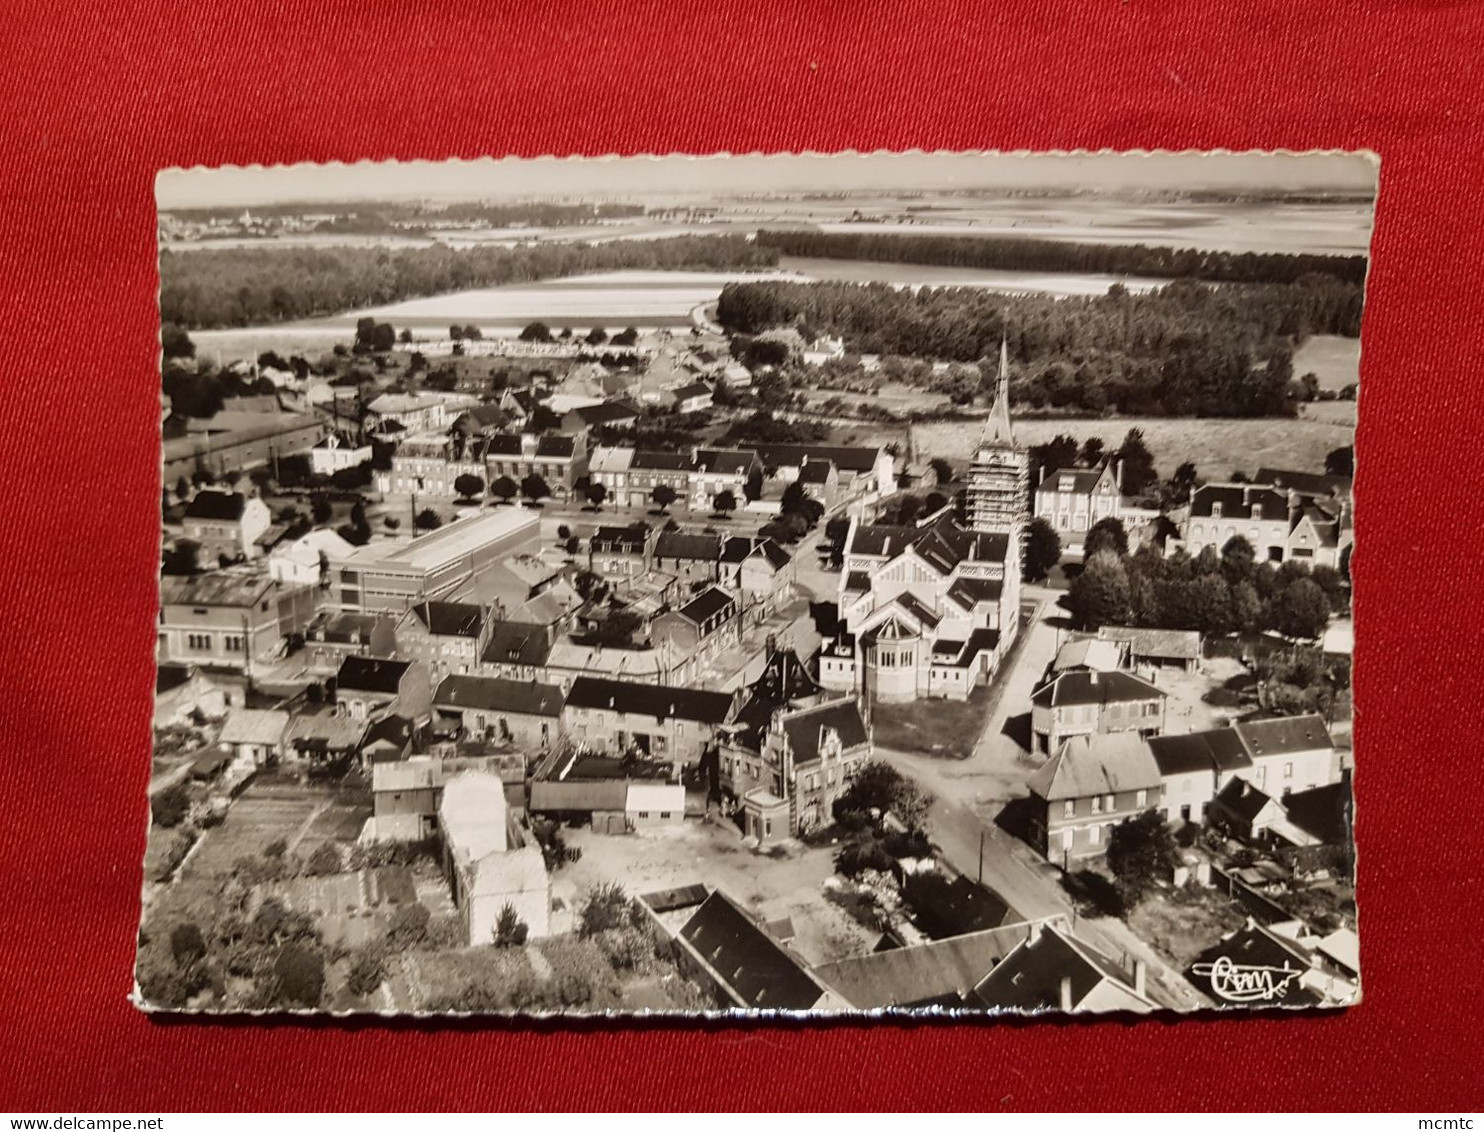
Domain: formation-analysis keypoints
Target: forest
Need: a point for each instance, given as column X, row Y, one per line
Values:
column 1015, row 253
column 228, row 287
column 1188, row 349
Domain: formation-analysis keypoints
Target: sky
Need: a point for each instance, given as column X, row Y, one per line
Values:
column 680, row 176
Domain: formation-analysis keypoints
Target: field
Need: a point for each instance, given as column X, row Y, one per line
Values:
column 1333, row 360
column 1216, row 447
column 920, row 275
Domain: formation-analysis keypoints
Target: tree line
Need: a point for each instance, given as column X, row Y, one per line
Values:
column 1020, row 253
column 1184, row 350
column 225, row 287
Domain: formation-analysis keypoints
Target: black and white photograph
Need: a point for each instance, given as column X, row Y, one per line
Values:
column 763, row 585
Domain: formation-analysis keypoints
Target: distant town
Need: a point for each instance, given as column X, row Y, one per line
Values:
column 572, row 667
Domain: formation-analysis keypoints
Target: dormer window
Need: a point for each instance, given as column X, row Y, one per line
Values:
column 1216, row 510
column 1257, row 510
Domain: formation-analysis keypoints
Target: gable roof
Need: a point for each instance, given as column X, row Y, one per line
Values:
column 1216, row 750
column 943, row 542
column 942, row 972
column 725, row 461
column 1305, row 483
column 708, row 604
column 623, row 540
column 759, row 972
column 954, row 906
column 603, row 795
column 1243, row 800
column 221, row 506
column 606, row 413
column 250, row 725
column 806, row 727
column 848, row 458
column 1237, row 501
column 492, row 693
column 1267, row 737
column 1169, row 644
column 1323, row 812
column 1088, row 652
column 656, row 700
column 1080, row 480
column 371, row 674
column 1088, row 765
column 449, row 618
column 1254, row 946
column 1081, row 687
column 513, row 642
column 662, row 461
column 1030, row 977
column 680, row 545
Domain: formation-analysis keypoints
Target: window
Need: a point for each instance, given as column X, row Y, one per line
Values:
column 1112, row 803
column 1287, row 770
column 199, row 641
column 1094, row 834
column 1215, row 510
column 1141, row 799
column 234, row 644
column 643, row 815
column 665, row 815
column 1097, row 804
column 1151, row 708
column 1069, row 808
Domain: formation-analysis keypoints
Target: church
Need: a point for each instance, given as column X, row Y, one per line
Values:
column 929, row 610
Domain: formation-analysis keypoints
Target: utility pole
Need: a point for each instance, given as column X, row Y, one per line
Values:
column 981, row 855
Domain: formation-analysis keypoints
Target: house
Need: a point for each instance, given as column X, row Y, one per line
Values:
column 183, row 692
column 558, row 461
column 615, row 553
column 334, row 635
column 1195, row 767
column 939, row 974
column 694, row 397
column 944, row 907
column 718, row 470
column 517, row 650
column 336, row 452
column 669, row 724
column 698, row 632
column 759, row 571
column 1320, row 534
column 606, row 414
column 1054, row 970
column 1092, row 783
column 490, row 862
column 1245, row 811
column 396, row 574
column 649, row 470
column 525, row 713
column 416, row 412
column 1289, row 754
column 926, row 610
column 1090, row 654
column 789, row 770
column 617, row 796
column 863, row 470
column 1089, row 702
column 389, row 738
column 227, row 619
column 1308, row 485
column 405, row 792
column 225, row 525
column 324, row 738
column 722, row 946
column 1155, row 648
column 234, row 441
column 305, row 560
column 368, row 688
column 446, row 636
column 690, row 557
column 1074, row 500
column 1222, row 511
column 255, row 736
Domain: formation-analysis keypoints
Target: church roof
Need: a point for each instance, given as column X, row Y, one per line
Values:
column 997, row 432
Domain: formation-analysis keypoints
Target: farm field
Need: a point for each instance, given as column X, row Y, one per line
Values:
column 1335, row 361
column 914, row 275
column 1216, row 447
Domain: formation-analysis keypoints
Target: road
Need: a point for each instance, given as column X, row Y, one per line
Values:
column 970, row 792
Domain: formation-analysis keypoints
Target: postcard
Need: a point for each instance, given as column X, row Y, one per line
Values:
column 758, row 585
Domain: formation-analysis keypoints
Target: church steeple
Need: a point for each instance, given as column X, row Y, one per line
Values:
column 997, row 428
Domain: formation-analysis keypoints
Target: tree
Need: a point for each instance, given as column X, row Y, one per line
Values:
column 626, row 337
column 182, row 559
column 426, row 520
column 1100, row 594
column 405, row 336
column 1137, row 462
column 942, row 470
column 169, row 807
column 1106, row 534
column 175, row 342
column 367, row 972
column 752, row 488
column 323, row 862
column 1340, row 462
column 596, row 494
column 187, row 945
column 618, row 628
column 1302, row 610
column 835, row 533
column 1042, row 550
column 725, row 502
column 536, row 332
column 321, row 510
column 469, row 485
column 1141, row 852
column 510, row 929
column 605, row 908
column 408, row 926
column 300, row 974
column 879, row 786
column 504, row 489
column 473, row 333
column 456, row 333
column 534, row 488
column 663, row 495
column 596, row 336
column 1237, row 559
column 1092, row 451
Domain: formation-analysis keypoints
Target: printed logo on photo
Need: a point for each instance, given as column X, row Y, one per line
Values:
column 1236, row 982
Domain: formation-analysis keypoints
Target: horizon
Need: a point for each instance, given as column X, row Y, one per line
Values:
column 724, row 176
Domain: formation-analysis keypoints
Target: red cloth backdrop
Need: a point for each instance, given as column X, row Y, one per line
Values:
column 96, row 98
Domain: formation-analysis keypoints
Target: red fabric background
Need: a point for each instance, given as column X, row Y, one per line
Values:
column 96, row 99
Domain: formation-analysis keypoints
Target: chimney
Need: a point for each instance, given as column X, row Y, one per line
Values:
column 1066, row 992
column 1092, row 676
column 1119, row 474
column 770, row 646
column 1141, row 976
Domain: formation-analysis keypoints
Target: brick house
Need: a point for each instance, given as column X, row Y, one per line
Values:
column 447, row 636
column 1091, row 784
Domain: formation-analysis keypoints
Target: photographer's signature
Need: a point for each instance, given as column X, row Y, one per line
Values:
column 1239, row 983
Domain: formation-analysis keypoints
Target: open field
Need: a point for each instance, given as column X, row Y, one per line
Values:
column 1216, row 447
column 923, row 275
column 1335, row 361
column 351, row 909
column 942, row 728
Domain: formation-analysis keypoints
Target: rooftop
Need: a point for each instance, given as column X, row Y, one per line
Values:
column 491, row 693
column 655, row 700
column 216, row 588
column 1081, row 687
column 371, row 674
column 1089, row 765
column 222, row 506
column 759, row 971
column 430, row 551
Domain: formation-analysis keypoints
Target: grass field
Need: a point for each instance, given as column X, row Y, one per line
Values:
column 1333, row 360
column 942, row 728
column 1216, row 447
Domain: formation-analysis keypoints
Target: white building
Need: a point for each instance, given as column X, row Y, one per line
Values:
column 489, row 861
column 333, row 453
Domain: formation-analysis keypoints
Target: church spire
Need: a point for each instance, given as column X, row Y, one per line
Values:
column 997, row 427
